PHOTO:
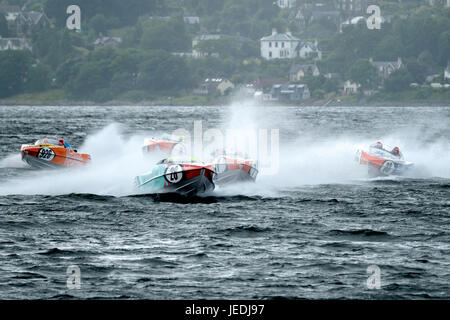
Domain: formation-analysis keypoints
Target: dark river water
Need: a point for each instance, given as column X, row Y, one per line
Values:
column 314, row 228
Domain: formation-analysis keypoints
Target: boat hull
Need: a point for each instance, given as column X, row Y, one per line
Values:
column 382, row 167
column 231, row 171
column 186, row 180
column 45, row 157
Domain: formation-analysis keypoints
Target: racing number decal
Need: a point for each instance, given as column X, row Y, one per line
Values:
column 46, row 154
column 221, row 165
column 388, row 167
column 174, row 173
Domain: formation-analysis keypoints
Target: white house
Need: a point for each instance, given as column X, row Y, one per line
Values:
column 298, row 72
column 210, row 86
column 224, row 85
column 286, row 4
column 191, row 19
column 385, row 68
column 14, row 44
column 353, row 21
column 112, row 42
column 351, row 87
column 10, row 12
column 308, row 49
column 286, row 46
column 279, row 46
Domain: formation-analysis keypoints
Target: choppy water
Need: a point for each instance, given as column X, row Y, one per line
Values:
column 311, row 231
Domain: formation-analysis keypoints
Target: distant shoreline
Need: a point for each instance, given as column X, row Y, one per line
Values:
column 258, row 103
column 39, row 100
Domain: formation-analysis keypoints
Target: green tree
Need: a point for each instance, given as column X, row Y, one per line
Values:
column 444, row 48
column 14, row 66
column 162, row 71
column 99, row 23
column 91, row 77
column 39, row 78
column 169, row 36
column 417, row 71
column 399, row 80
column 364, row 73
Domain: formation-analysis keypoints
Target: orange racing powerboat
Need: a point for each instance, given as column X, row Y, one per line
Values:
column 52, row 153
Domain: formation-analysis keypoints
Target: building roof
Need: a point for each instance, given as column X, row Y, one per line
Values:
column 295, row 68
column 32, row 17
column 385, row 64
column 290, row 88
column 280, row 37
column 312, row 45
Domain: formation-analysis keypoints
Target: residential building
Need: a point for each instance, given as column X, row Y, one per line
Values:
column 353, row 21
column 279, row 46
column 29, row 22
column 351, row 88
column 298, row 72
column 14, row 44
column 290, row 92
column 265, row 84
column 385, row 68
column 112, row 42
column 353, row 6
column 445, row 3
column 10, row 12
column 286, row 4
column 308, row 49
column 286, row 46
column 191, row 19
column 211, row 86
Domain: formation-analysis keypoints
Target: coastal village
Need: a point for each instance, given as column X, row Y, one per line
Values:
column 304, row 55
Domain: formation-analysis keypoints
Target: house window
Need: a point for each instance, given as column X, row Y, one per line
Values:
column 281, row 53
column 282, row 44
column 270, row 44
column 276, row 44
column 270, row 54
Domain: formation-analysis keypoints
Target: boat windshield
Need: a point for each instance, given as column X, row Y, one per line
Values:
column 51, row 141
column 385, row 153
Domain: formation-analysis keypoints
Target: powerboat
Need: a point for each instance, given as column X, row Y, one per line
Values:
column 381, row 162
column 232, row 168
column 164, row 147
column 52, row 153
column 184, row 177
